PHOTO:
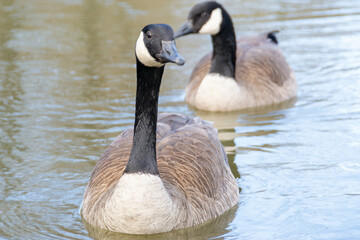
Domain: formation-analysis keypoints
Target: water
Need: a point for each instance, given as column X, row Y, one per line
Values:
column 67, row 87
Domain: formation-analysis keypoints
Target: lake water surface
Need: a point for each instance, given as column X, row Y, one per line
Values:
column 67, row 89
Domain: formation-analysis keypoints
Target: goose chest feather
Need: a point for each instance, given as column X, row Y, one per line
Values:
column 170, row 171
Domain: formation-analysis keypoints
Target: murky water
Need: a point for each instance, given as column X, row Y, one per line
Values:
column 67, row 88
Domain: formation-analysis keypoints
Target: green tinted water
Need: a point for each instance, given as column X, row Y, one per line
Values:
column 67, row 89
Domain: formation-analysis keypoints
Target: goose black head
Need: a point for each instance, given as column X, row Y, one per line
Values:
column 156, row 46
column 206, row 18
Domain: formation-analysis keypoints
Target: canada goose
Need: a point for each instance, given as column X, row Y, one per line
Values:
column 250, row 72
column 167, row 173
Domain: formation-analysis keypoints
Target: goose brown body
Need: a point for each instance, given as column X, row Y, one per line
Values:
column 192, row 166
column 261, row 71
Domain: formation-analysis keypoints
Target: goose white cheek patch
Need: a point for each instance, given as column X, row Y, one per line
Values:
column 212, row 26
column 143, row 54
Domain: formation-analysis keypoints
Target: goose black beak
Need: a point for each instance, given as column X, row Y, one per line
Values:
column 169, row 53
column 184, row 29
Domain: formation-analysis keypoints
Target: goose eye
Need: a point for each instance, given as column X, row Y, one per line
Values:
column 204, row 14
column 148, row 35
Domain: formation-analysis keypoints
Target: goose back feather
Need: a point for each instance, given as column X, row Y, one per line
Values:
column 261, row 71
column 192, row 166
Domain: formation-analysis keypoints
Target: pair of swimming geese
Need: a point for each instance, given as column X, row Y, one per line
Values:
column 171, row 171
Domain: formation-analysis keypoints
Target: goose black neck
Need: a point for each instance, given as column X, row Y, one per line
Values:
column 143, row 153
column 224, row 49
